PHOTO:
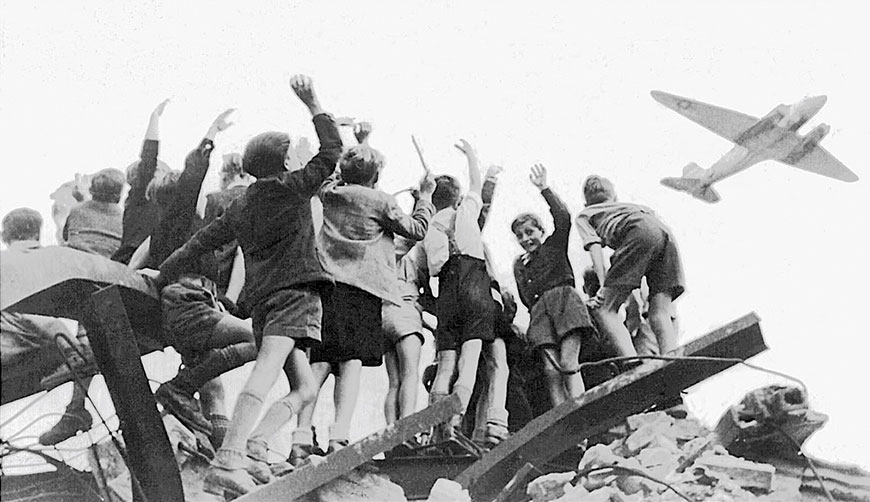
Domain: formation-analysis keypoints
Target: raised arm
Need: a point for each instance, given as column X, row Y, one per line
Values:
column 308, row 179
column 487, row 193
column 475, row 184
column 560, row 212
column 148, row 157
column 416, row 225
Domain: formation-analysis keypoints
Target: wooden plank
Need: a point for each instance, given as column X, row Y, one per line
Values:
column 600, row 408
column 149, row 453
column 310, row 477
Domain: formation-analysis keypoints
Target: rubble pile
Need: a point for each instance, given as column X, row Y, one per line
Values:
column 649, row 449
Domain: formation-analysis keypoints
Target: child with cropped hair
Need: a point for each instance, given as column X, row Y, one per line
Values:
column 356, row 242
column 466, row 310
column 95, row 225
column 643, row 247
column 545, row 281
column 283, row 283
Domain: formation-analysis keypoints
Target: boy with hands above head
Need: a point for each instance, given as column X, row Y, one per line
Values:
column 273, row 225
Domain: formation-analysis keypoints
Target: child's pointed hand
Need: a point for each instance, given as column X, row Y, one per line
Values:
column 538, row 176
column 595, row 302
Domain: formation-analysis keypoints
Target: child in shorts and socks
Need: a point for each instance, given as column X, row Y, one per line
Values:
column 465, row 307
column 356, row 243
column 545, row 281
column 643, row 247
column 284, row 278
column 403, row 328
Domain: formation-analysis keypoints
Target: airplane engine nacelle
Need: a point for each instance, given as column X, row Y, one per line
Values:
column 808, row 142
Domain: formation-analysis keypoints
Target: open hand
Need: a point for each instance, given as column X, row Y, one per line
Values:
column 538, row 176
column 304, row 89
column 466, row 148
column 221, row 123
column 493, row 171
column 162, row 106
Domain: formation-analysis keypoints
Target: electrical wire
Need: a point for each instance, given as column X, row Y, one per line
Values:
column 632, row 471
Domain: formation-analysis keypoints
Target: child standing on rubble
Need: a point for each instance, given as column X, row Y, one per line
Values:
column 643, row 247
column 284, row 278
column 356, row 241
column 545, row 281
column 465, row 306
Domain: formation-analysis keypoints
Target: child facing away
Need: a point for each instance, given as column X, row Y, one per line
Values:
column 95, row 225
column 643, row 247
column 558, row 319
column 356, row 243
column 284, row 278
column 466, row 311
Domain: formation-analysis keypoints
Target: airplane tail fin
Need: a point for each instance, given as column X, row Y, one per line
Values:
column 692, row 184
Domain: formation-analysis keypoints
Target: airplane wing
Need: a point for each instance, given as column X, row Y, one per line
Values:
column 820, row 161
column 726, row 123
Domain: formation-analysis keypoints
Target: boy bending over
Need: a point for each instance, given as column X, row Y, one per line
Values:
column 643, row 247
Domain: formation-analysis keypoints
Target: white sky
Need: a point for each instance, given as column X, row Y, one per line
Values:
column 568, row 87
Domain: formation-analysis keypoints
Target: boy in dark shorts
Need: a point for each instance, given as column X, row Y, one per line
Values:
column 465, row 306
column 643, row 247
column 356, row 241
column 545, row 281
column 272, row 223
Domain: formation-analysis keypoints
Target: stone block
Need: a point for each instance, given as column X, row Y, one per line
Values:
column 745, row 473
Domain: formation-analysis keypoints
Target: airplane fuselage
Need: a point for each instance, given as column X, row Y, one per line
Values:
column 772, row 137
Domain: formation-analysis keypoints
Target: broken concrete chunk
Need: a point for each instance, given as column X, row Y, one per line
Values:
column 635, row 422
column 574, row 493
column 549, row 486
column 745, row 473
column 446, row 490
column 659, row 461
column 358, row 485
column 646, row 434
column 687, row 430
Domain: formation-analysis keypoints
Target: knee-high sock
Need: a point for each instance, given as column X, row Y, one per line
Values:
column 215, row 363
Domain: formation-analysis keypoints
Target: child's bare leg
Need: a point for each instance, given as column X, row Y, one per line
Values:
column 231, row 459
column 391, row 360
column 231, row 330
column 569, row 354
column 555, row 382
column 469, row 356
column 346, row 392
column 498, row 373
column 302, row 434
column 661, row 322
column 409, row 365
column 303, row 391
column 609, row 320
column 444, row 375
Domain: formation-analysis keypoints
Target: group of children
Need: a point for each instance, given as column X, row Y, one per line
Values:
column 256, row 281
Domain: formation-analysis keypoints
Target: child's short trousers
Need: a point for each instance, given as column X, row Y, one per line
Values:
column 558, row 312
column 401, row 320
column 290, row 312
column 466, row 310
column 647, row 248
column 351, row 327
column 190, row 313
